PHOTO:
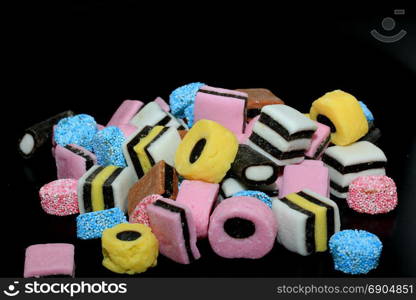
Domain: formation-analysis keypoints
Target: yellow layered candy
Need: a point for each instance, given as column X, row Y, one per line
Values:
column 141, row 146
column 97, row 184
column 219, row 147
column 129, row 248
column 345, row 113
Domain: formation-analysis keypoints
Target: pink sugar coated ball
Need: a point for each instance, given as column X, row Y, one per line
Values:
column 60, row 197
column 139, row 214
column 372, row 195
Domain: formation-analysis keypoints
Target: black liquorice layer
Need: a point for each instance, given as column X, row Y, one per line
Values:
column 326, row 121
column 87, row 189
column 89, row 162
column 162, row 132
column 338, row 188
column 184, row 222
column 164, row 121
column 321, row 147
column 352, row 168
column 330, row 217
column 283, row 132
column 108, row 193
column 310, row 224
column 169, row 173
column 273, row 151
column 133, row 155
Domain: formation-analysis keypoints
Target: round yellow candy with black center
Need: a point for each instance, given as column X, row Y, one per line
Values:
column 342, row 112
column 206, row 152
column 129, row 248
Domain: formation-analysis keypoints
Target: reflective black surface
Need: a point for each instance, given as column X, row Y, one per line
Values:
column 90, row 58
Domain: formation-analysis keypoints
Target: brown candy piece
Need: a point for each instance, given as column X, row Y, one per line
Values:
column 257, row 98
column 161, row 179
column 182, row 133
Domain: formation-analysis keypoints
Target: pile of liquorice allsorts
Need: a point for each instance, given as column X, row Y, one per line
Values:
column 238, row 167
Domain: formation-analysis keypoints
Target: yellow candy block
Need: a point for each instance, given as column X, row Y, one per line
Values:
column 140, row 148
column 345, row 113
column 129, row 248
column 206, row 152
column 97, row 195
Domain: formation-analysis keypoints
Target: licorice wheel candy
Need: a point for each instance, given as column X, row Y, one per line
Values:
column 37, row 135
column 242, row 227
column 342, row 112
column 206, row 152
column 129, row 248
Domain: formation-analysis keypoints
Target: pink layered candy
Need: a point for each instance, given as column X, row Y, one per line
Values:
column 199, row 197
column 226, row 107
column 49, row 260
column 174, row 227
column 162, row 104
column 60, row 197
column 372, row 195
column 126, row 111
column 309, row 174
column 139, row 214
column 242, row 227
column 320, row 141
column 72, row 161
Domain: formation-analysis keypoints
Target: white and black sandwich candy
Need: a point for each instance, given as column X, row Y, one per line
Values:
column 345, row 163
column 282, row 134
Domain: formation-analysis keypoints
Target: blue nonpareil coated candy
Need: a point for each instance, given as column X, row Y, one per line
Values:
column 255, row 194
column 107, row 145
column 91, row 225
column 183, row 97
column 355, row 251
column 78, row 130
column 368, row 114
column 189, row 115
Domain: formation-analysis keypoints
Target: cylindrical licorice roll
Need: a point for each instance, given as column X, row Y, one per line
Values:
column 37, row 135
column 242, row 227
column 129, row 248
column 252, row 168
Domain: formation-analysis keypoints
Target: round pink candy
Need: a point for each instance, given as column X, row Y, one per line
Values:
column 372, row 195
column 255, row 246
column 139, row 214
column 60, row 197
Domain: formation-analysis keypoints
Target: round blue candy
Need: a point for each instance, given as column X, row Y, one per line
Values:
column 183, row 97
column 355, row 251
column 255, row 194
column 368, row 114
column 78, row 130
column 107, row 145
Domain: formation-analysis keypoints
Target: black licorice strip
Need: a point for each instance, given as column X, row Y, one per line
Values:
column 330, row 218
column 253, row 112
column 352, row 168
column 152, row 161
column 184, row 222
column 283, row 132
column 326, row 121
column 87, row 197
column 310, row 224
column 88, row 160
column 164, row 121
column 108, row 193
column 273, row 151
column 42, row 131
column 322, row 147
column 169, row 173
column 133, row 155
column 338, row 188
column 223, row 94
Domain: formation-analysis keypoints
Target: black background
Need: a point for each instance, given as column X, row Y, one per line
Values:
column 89, row 56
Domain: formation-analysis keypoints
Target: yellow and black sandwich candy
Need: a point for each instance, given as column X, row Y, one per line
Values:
column 104, row 187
